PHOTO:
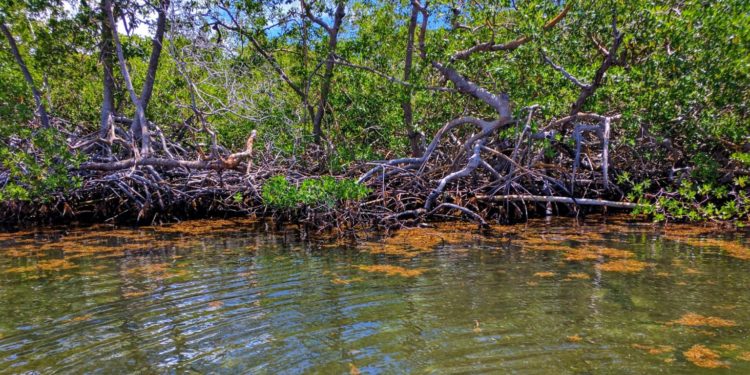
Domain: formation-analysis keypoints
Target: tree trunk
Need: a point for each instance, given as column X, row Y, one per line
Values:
column 153, row 64
column 140, row 114
column 415, row 141
column 40, row 111
column 325, row 87
column 305, row 56
column 108, row 81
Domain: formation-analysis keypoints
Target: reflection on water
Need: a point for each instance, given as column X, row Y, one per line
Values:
column 229, row 297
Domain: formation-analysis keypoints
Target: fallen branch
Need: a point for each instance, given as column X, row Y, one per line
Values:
column 474, row 162
column 157, row 162
column 542, row 198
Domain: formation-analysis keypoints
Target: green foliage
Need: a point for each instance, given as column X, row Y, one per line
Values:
column 695, row 202
column 238, row 197
column 742, row 157
column 705, row 168
column 278, row 192
column 36, row 163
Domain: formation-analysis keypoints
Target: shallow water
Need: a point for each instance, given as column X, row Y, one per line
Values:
column 227, row 297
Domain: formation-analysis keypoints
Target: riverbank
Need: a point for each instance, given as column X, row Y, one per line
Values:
column 129, row 198
column 495, row 184
column 274, row 192
column 577, row 108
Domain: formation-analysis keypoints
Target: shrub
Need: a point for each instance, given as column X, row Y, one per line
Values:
column 278, row 192
column 36, row 164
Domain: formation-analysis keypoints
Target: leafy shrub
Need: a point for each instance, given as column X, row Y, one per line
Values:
column 695, row 202
column 278, row 192
column 36, row 164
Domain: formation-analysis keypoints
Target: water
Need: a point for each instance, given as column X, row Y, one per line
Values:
column 228, row 297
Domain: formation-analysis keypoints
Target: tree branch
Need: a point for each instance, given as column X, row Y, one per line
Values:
column 491, row 47
column 565, row 73
column 40, row 110
column 315, row 19
column 555, row 199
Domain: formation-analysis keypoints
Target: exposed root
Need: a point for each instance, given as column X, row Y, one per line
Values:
column 518, row 167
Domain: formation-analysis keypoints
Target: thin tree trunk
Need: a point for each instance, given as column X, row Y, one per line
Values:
column 153, row 65
column 325, row 87
column 40, row 110
column 140, row 114
column 108, row 81
column 305, row 37
column 414, row 136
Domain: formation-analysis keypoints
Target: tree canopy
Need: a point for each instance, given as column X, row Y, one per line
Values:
column 641, row 100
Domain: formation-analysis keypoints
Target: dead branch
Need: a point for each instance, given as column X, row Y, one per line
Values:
column 554, row 199
column 474, row 162
column 565, row 73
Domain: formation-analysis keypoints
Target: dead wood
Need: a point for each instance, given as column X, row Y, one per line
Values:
column 553, row 199
column 491, row 164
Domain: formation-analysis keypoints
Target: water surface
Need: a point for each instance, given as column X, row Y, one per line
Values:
column 231, row 297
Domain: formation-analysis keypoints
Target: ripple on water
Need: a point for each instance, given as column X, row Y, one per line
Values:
column 255, row 303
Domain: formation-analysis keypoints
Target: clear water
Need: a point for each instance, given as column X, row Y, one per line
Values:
column 230, row 297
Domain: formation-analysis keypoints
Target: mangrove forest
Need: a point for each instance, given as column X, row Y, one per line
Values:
column 374, row 187
column 384, row 113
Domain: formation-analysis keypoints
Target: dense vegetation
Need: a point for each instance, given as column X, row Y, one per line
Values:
column 157, row 103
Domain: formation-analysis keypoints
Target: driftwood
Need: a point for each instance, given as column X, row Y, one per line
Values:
column 549, row 199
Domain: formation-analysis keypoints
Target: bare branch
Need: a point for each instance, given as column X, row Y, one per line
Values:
column 391, row 79
column 583, row 116
column 609, row 60
column 314, row 18
column 554, row 21
column 554, row 199
column 41, row 111
column 140, row 112
column 501, row 102
column 492, row 47
column 423, row 27
column 567, row 75
column 474, row 161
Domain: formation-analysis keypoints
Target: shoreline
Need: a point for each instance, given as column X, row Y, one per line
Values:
column 241, row 198
column 276, row 221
